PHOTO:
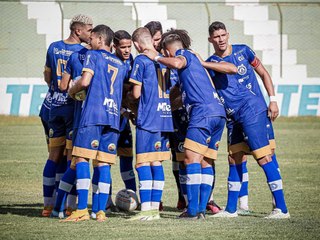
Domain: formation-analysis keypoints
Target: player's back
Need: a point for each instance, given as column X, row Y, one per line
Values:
column 199, row 94
column 104, row 94
column 154, row 111
column 57, row 55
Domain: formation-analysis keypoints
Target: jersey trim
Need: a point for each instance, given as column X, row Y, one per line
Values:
column 106, row 157
column 135, row 81
column 211, row 153
column 88, row 70
column 195, row 146
column 153, row 156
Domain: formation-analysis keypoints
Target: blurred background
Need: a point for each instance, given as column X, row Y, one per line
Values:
column 284, row 34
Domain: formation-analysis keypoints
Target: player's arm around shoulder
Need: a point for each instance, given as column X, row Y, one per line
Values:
column 219, row 66
column 177, row 62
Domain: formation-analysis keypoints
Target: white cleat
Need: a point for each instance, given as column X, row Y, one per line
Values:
column 224, row 214
column 278, row 214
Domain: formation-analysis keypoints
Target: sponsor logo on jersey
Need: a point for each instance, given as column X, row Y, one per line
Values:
column 51, row 132
column 242, row 70
column 164, row 107
column 136, row 70
column 241, row 58
column 157, row 145
column 95, row 144
column 111, row 147
column 62, row 52
column 110, row 103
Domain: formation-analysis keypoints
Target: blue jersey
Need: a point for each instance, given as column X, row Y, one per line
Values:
column 154, row 112
column 74, row 68
column 233, row 93
column 104, row 94
column 45, row 107
column 56, row 60
column 198, row 93
column 128, row 63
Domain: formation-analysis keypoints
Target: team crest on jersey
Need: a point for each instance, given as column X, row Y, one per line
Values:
column 180, row 147
column 208, row 140
column 242, row 70
column 157, row 145
column 51, row 132
column 168, row 145
column 95, row 144
column 111, row 147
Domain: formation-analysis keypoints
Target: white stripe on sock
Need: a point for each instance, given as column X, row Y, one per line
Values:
column 275, row 185
column 95, row 189
column 207, row 179
column 72, row 201
column 193, row 179
column 104, row 187
column 65, row 186
column 158, row 185
column 83, row 184
column 155, row 205
column 59, row 176
column 245, row 177
column 146, row 185
column 145, row 206
column 48, row 181
column 234, row 186
column 127, row 175
column 243, row 202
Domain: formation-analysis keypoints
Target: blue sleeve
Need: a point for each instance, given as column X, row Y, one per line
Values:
column 210, row 71
column 186, row 54
column 136, row 75
column 69, row 64
column 250, row 54
column 89, row 63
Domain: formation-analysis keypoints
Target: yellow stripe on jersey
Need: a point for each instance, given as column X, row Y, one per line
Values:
column 261, row 152
column 106, row 157
column 153, row 156
column 88, row 70
column 195, row 146
column 211, row 153
column 135, row 81
column 57, row 142
column 239, row 147
column 69, row 144
column 125, row 152
column 84, row 152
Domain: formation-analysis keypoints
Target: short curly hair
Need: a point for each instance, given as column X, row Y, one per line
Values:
column 80, row 19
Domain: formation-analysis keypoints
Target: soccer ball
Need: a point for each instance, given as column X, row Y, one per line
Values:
column 80, row 96
column 127, row 200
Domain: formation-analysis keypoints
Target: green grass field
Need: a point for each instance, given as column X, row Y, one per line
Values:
column 23, row 154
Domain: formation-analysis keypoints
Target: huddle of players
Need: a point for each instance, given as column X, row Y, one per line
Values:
column 173, row 83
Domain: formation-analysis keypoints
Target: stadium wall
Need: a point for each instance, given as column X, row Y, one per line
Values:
column 283, row 34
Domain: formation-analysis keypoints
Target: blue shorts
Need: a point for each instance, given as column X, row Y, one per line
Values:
column 96, row 142
column 60, row 132
column 177, row 138
column 271, row 137
column 152, row 146
column 125, row 142
column 249, row 135
column 205, row 140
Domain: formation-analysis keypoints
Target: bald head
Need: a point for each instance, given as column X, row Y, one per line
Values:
column 142, row 37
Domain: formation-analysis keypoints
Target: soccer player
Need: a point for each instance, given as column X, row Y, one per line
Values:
column 154, row 121
column 206, row 117
column 122, row 44
column 156, row 31
column 98, row 132
column 62, row 106
column 248, row 114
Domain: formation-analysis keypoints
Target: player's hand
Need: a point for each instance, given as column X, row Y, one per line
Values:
column 150, row 53
column 273, row 111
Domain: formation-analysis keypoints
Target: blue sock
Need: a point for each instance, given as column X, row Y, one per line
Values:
column 205, row 188
column 183, row 183
column 65, row 186
column 145, row 184
column 275, row 162
column 127, row 173
column 193, row 187
column 95, row 190
column 49, row 173
column 60, row 170
column 243, row 194
column 104, row 186
column 157, row 186
column 83, row 184
column 275, row 184
column 234, row 186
